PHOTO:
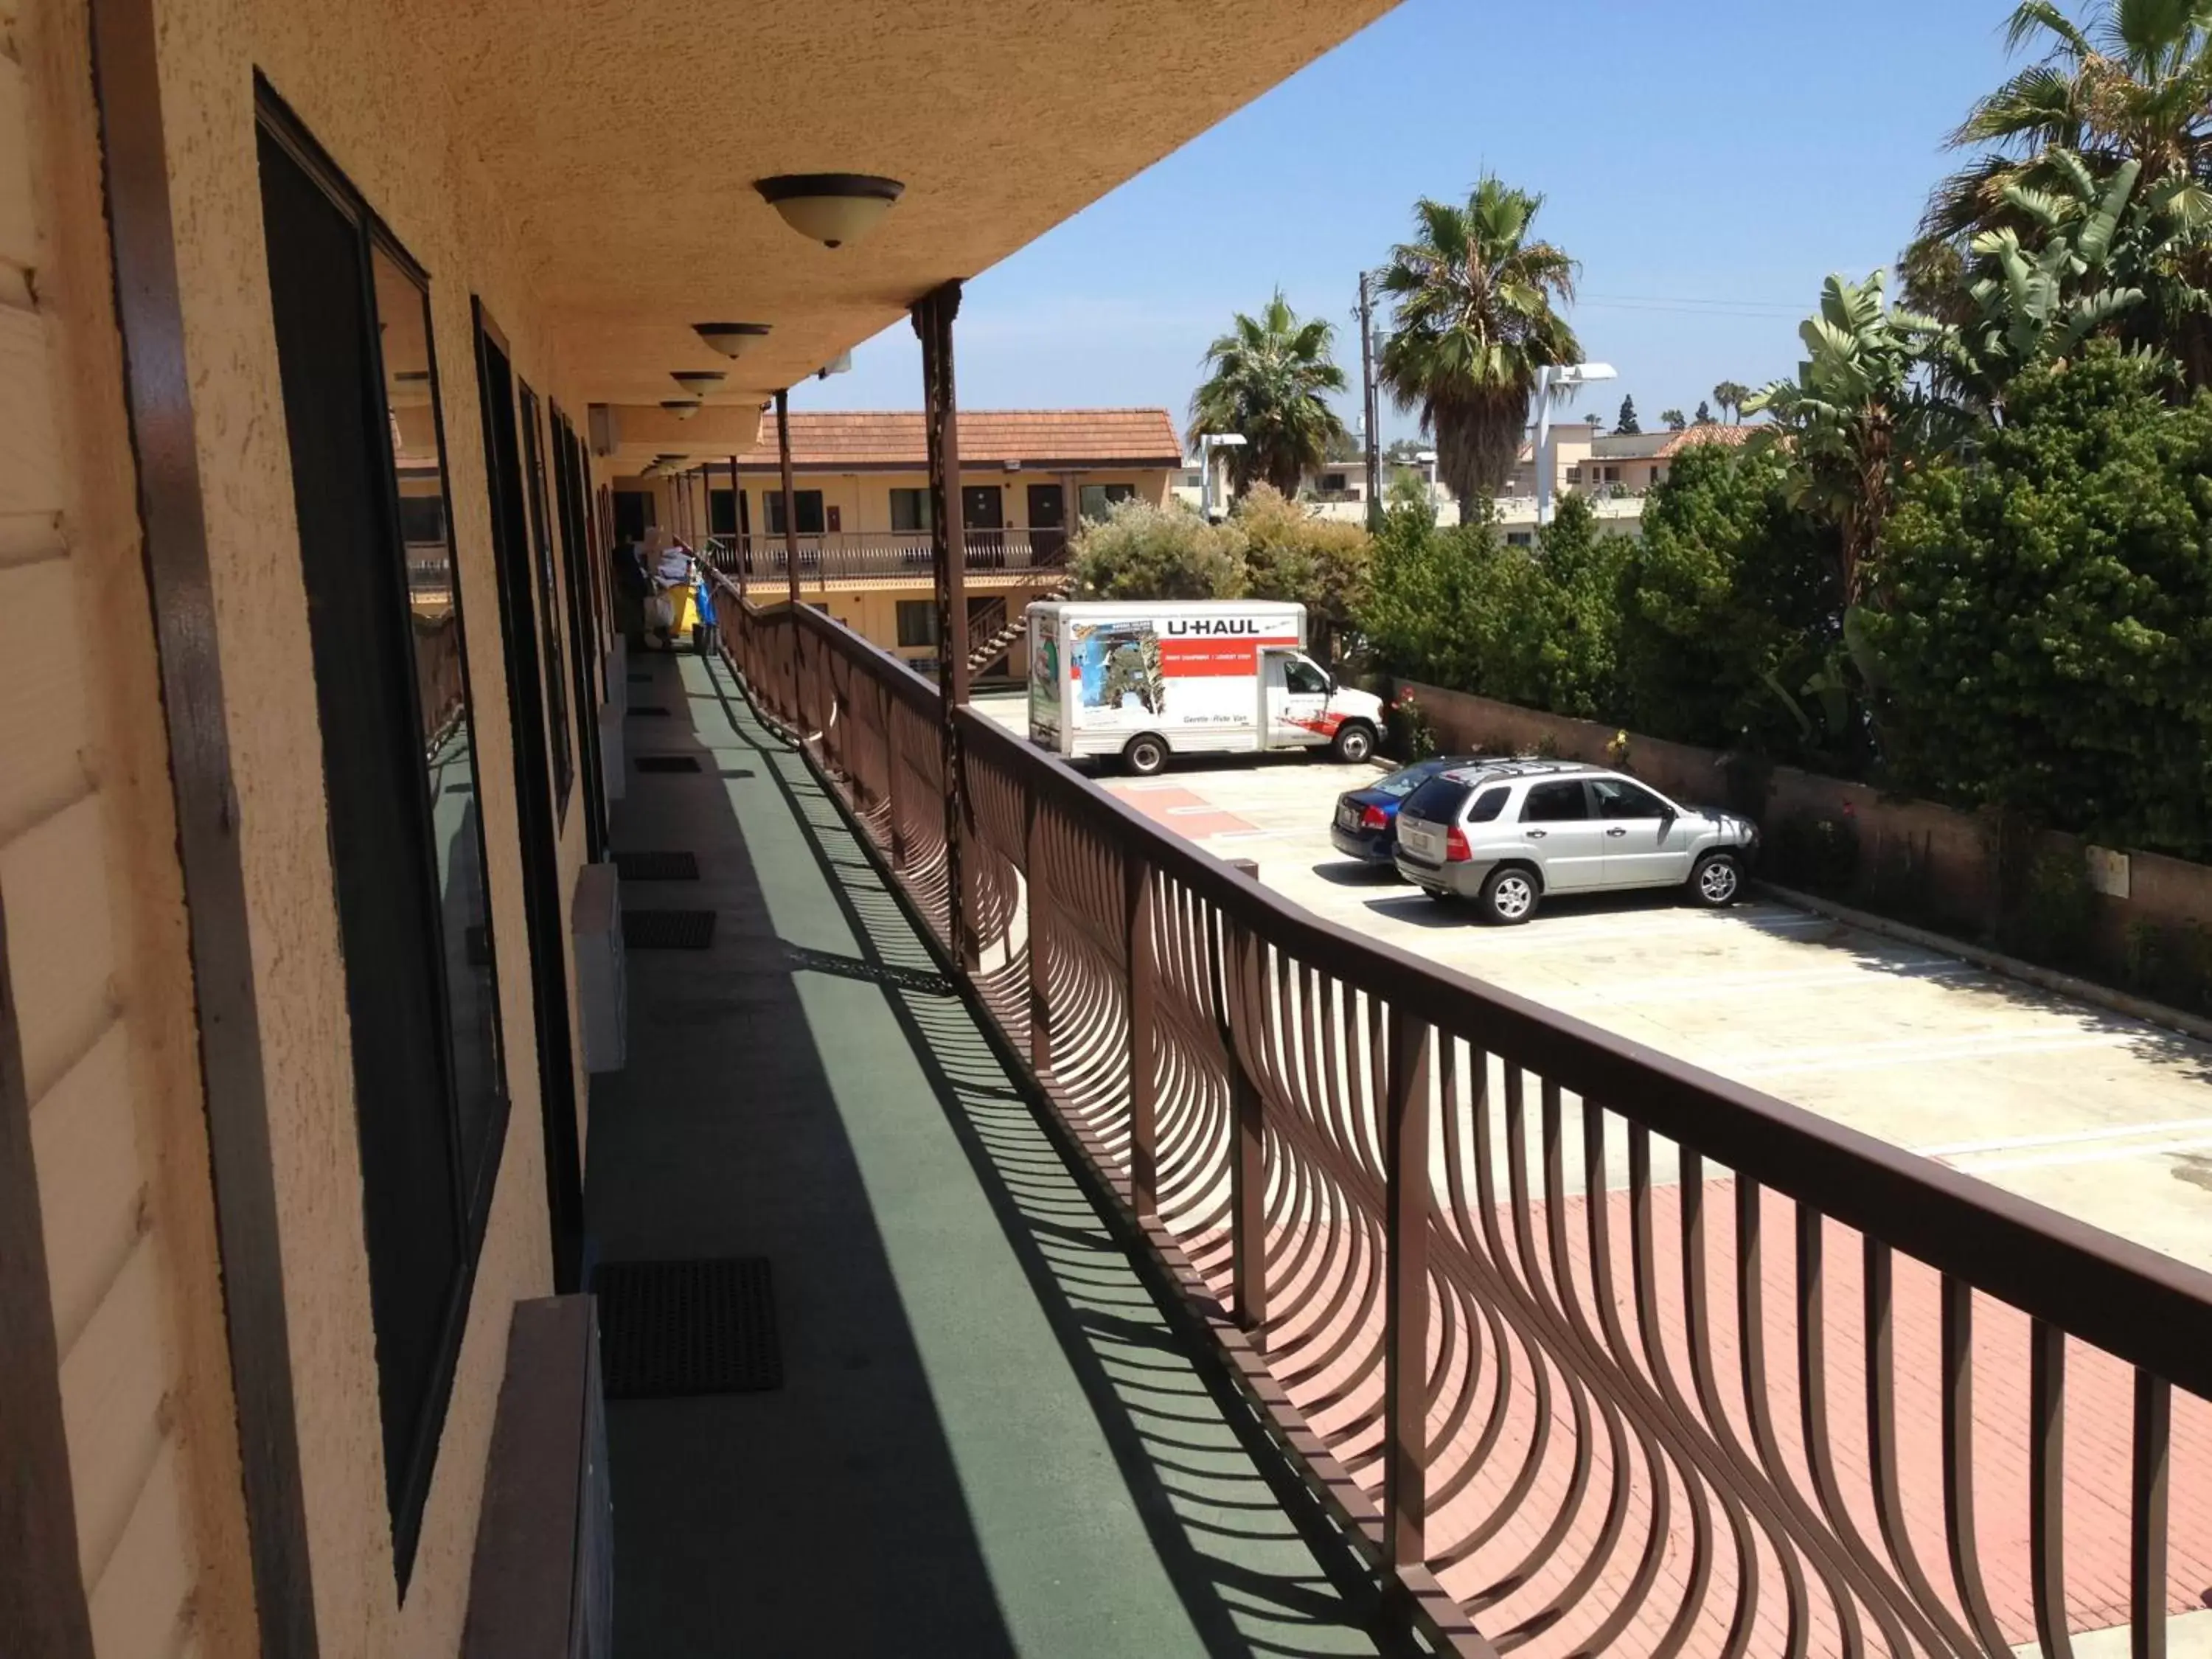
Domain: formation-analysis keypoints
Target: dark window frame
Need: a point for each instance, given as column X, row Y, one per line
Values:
column 537, row 510
column 408, row 1489
column 802, row 500
column 1586, row 816
column 924, row 611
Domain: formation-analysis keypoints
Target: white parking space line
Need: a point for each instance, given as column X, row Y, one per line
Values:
column 2022, row 1143
column 2101, row 1155
column 1718, row 984
column 1873, row 1056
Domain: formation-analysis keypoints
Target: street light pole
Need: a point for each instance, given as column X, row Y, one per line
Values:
column 1207, row 443
column 1550, row 378
column 1369, row 409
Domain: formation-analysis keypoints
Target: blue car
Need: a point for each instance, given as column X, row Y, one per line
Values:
column 1365, row 826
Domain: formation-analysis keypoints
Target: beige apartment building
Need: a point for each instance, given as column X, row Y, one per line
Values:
column 862, row 512
column 305, row 671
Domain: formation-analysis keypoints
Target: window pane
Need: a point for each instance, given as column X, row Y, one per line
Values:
column 1438, row 800
column 910, row 509
column 1555, row 803
column 448, row 725
column 1304, row 679
column 1488, row 805
column 1619, row 799
column 548, row 603
column 917, row 622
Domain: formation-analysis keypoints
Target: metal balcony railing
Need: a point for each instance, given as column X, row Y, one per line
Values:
column 1592, row 1351
column 847, row 555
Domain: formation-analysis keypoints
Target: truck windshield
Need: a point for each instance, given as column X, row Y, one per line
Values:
column 1438, row 801
column 1302, row 678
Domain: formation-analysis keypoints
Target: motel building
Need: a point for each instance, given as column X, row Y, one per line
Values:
column 861, row 509
column 516, row 1148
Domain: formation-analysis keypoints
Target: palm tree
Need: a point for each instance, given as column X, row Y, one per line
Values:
column 1267, row 380
column 1853, row 418
column 2036, row 304
column 1730, row 397
column 2131, row 82
column 1475, row 322
column 1673, row 419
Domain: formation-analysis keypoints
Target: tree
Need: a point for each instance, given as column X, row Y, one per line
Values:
column 2037, row 302
column 1321, row 563
column 2046, row 634
column 2131, row 82
column 1627, row 426
column 1730, row 396
column 1852, row 418
column 1420, row 610
column 1474, row 321
column 1405, row 452
column 1730, row 607
column 1594, row 420
column 1704, row 415
column 1267, row 380
column 1673, row 419
column 1142, row 551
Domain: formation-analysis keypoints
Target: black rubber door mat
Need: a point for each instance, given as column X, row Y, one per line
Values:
column 648, row 710
column 672, row 1329
column 666, row 762
column 657, row 866
column 668, row 930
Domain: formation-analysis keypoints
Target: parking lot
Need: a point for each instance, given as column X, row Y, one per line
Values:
column 2104, row 1117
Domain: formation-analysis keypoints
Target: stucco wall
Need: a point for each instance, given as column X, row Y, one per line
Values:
column 358, row 85
column 96, row 937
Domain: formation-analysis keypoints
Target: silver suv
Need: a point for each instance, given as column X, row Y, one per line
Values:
column 1506, row 833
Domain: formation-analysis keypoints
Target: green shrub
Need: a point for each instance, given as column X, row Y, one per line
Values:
column 1324, row 564
column 1409, row 735
column 1142, row 551
column 2053, row 918
column 1817, row 851
column 2044, row 615
column 1730, row 608
column 2172, row 963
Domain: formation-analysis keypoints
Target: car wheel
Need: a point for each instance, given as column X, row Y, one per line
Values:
column 1718, row 881
column 1354, row 743
column 1145, row 756
column 1510, row 897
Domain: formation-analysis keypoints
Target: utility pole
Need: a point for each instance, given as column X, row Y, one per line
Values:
column 1369, row 409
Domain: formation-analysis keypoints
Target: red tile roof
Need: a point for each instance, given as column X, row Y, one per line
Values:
column 1734, row 436
column 1035, row 437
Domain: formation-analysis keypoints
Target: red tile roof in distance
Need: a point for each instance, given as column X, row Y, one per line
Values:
column 1732, row 436
column 894, row 438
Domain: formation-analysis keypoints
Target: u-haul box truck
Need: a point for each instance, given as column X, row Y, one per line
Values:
column 1144, row 681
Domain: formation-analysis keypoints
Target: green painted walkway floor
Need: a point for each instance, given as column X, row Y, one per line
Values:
column 990, row 1439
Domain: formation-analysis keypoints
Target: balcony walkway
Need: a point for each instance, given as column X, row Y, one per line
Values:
column 990, row 1439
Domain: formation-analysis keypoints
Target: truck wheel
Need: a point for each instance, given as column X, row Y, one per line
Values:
column 1145, row 756
column 1355, row 742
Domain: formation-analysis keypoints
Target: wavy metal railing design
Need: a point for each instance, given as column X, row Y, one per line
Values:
column 1594, row 1353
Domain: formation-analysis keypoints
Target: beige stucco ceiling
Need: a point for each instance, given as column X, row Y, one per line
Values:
column 624, row 136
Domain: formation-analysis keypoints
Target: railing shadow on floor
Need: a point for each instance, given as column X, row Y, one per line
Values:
column 1211, row 1489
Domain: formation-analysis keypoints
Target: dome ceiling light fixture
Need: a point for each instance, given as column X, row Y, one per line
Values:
column 682, row 408
column 832, row 208
column 731, row 339
column 698, row 382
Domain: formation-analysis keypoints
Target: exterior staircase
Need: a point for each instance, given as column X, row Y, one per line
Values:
column 993, row 629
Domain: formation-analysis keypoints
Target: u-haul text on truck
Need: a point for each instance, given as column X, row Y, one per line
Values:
column 1144, row 681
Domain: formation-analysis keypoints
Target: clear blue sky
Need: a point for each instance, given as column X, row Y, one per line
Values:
column 1724, row 152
